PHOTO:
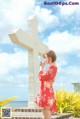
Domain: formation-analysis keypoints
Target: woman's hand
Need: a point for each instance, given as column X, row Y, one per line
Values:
column 42, row 64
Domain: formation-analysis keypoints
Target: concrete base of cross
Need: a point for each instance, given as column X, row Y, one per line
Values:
column 31, row 113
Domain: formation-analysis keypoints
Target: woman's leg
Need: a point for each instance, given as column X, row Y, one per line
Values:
column 46, row 114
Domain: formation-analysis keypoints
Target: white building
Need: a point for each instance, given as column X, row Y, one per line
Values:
column 76, row 87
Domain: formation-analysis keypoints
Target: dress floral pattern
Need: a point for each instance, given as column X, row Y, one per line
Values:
column 46, row 98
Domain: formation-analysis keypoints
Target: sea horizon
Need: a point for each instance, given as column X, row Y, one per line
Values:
column 17, row 104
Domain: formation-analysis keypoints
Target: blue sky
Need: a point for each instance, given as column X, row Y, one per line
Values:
column 59, row 28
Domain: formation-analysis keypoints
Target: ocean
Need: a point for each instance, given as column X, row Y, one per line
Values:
column 17, row 104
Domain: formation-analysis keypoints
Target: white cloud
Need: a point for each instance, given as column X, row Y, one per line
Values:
column 46, row 18
column 61, row 62
column 63, row 42
column 72, row 71
column 15, row 83
column 70, row 9
column 15, row 12
column 12, row 61
column 16, row 79
column 66, row 76
column 5, row 40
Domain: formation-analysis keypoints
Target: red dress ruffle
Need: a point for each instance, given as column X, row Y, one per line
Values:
column 46, row 98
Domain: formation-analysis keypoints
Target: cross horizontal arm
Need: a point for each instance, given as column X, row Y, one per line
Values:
column 24, row 39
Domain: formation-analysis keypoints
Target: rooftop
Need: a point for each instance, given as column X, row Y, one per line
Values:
column 76, row 83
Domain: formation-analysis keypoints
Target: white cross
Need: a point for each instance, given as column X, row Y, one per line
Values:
column 30, row 41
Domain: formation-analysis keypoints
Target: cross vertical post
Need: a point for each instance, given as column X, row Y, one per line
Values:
column 30, row 41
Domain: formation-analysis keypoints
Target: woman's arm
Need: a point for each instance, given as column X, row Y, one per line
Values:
column 47, row 74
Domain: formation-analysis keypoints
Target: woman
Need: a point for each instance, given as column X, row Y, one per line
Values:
column 46, row 98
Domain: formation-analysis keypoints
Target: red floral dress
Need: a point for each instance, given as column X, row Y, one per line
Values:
column 46, row 98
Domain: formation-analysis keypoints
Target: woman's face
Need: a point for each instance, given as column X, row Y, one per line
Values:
column 47, row 60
